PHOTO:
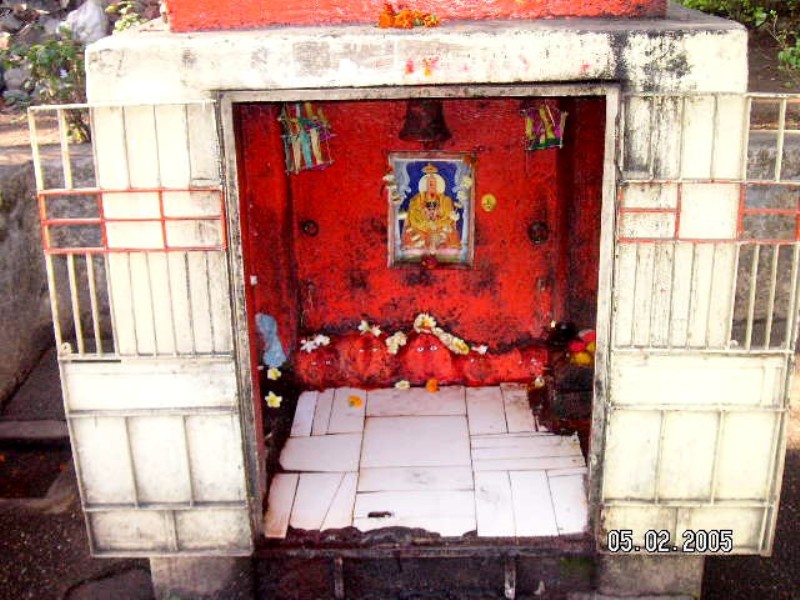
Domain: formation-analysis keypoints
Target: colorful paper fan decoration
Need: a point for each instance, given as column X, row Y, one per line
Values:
column 306, row 132
column 544, row 126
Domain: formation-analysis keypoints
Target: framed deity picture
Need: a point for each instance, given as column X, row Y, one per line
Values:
column 431, row 208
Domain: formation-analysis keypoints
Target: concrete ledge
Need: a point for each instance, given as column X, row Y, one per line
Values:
column 683, row 53
column 33, row 431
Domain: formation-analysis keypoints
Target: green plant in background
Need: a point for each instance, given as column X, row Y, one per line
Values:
column 778, row 18
column 789, row 56
column 128, row 13
column 57, row 75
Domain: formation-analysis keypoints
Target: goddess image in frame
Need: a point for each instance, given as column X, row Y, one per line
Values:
column 431, row 208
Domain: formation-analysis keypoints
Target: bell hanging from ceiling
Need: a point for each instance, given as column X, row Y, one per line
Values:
column 424, row 122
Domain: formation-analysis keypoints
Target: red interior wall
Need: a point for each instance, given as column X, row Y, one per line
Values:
column 199, row 15
column 583, row 170
column 332, row 281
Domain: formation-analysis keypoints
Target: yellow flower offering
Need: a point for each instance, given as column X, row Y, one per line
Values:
column 582, row 359
column 273, row 373
column 355, row 401
column 273, row 400
column 432, row 385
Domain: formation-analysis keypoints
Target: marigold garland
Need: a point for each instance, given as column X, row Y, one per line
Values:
column 405, row 18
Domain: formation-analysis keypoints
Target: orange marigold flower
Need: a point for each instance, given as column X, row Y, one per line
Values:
column 432, row 385
column 404, row 19
column 430, row 21
column 385, row 20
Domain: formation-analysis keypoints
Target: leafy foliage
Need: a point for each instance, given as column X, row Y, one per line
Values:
column 56, row 75
column 779, row 18
column 128, row 13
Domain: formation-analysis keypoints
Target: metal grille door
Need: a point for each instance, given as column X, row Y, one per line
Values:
column 704, row 320
column 135, row 245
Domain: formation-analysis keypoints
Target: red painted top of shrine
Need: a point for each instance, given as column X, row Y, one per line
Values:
column 209, row 15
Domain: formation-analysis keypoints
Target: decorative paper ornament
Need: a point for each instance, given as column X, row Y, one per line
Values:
column 306, row 132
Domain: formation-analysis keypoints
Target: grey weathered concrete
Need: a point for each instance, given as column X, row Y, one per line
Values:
column 648, row 576
column 24, row 307
column 203, row 578
column 39, row 397
column 25, row 316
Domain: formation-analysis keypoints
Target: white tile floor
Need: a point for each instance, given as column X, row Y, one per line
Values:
column 451, row 462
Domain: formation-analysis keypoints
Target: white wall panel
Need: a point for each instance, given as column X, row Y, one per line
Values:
column 172, row 145
column 203, row 144
column 687, row 455
column 709, row 211
column 623, row 294
column 213, row 530
column 104, row 462
column 666, row 140
column 108, row 139
column 160, row 459
column 639, row 519
column 631, row 455
column 142, row 146
column 215, row 448
column 643, row 294
column 744, row 523
column 637, row 147
column 698, row 137
column 139, row 384
column 745, row 456
column 729, row 137
column 130, row 531
column 647, row 195
column 647, row 225
column 650, row 379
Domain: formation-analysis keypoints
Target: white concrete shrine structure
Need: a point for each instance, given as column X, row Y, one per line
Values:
column 696, row 314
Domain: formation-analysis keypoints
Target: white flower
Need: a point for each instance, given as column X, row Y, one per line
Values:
column 402, row 385
column 459, row 346
column 466, row 182
column 462, row 196
column 395, row 341
column 273, row 373
column 389, row 178
column 424, row 322
column 273, row 400
column 309, row 345
column 480, row 349
column 402, row 216
column 453, row 343
column 365, row 327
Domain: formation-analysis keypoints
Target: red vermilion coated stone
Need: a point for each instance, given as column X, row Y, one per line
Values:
column 212, row 15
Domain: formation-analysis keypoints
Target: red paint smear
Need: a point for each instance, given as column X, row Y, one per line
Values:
column 332, row 281
column 199, row 15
